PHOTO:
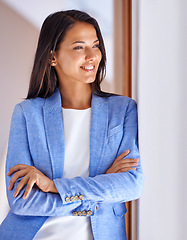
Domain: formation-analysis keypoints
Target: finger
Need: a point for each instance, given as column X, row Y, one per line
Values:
column 16, row 168
column 123, row 166
column 123, row 161
column 130, row 160
column 124, row 154
column 21, row 185
column 29, row 187
column 128, row 165
column 126, row 161
column 126, row 169
column 17, row 175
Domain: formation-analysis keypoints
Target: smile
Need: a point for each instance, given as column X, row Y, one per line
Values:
column 88, row 68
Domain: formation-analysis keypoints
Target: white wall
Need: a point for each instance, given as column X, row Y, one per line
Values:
column 162, row 99
column 17, row 48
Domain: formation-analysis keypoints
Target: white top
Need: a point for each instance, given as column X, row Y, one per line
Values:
column 77, row 158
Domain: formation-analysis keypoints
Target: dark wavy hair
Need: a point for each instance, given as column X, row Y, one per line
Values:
column 44, row 79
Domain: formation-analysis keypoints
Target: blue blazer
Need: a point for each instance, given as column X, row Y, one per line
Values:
column 37, row 138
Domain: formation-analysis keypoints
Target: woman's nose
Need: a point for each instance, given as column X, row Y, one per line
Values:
column 90, row 55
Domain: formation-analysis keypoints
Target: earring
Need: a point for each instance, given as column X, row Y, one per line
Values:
column 53, row 64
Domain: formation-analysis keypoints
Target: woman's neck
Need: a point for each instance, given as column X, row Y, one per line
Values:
column 76, row 96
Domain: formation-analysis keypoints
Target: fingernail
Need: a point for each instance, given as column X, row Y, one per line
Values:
column 14, row 195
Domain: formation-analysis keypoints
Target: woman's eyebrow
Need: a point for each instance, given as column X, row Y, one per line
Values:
column 84, row 42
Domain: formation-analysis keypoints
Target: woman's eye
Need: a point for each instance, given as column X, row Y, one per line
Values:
column 96, row 46
column 78, row 47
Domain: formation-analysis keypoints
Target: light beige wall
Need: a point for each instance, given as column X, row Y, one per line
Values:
column 17, row 47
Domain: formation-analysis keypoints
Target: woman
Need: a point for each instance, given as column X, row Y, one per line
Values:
column 68, row 173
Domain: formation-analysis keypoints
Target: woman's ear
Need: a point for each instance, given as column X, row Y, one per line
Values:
column 52, row 59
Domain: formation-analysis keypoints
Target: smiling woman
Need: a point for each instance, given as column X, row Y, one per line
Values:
column 73, row 158
column 76, row 36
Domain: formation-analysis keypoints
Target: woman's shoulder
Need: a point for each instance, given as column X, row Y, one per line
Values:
column 118, row 100
column 117, row 105
column 30, row 105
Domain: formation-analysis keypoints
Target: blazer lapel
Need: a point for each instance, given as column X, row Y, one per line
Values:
column 98, row 131
column 53, row 122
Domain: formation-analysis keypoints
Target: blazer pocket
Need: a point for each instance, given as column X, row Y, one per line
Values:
column 115, row 130
column 120, row 209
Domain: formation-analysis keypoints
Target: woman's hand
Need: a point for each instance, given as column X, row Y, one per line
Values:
column 123, row 165
column 31, row 176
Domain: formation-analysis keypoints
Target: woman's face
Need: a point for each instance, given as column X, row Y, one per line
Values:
column 79, row 55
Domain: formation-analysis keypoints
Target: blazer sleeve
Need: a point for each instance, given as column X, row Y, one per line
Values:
column 114, row 187
column 37, row 203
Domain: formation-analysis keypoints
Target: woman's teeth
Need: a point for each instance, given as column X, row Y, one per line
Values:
column 88, row 68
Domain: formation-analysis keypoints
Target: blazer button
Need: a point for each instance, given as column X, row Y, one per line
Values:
column 67, row 199
column 89, row 213
column 81, row 197
column 84, row 213
column 75, row 213
column 76, row 198
column 72, row 199
column 79, row 213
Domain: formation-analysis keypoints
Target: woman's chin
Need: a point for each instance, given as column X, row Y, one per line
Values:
column 89, row 80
